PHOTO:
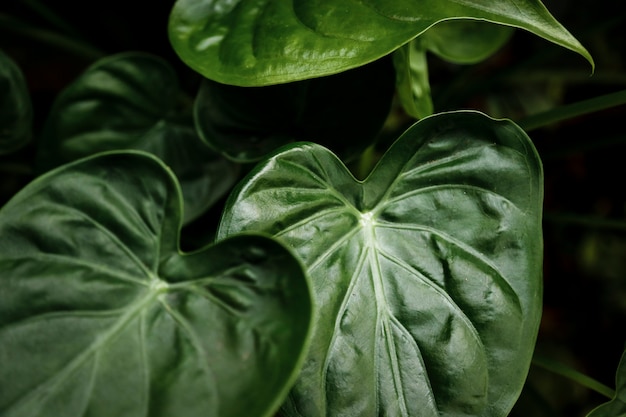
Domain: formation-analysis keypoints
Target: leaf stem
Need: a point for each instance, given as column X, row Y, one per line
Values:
column 572, row 374
column 593, row 222
column 366, row 162
column 53, row 18
column 16, row 168
column 67, row 43
column 572, row 110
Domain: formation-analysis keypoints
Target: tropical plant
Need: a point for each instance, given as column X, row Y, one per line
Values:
column 273, row 219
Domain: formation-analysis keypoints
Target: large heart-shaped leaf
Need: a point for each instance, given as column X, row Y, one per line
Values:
column 427, row 275
column 617, row 406
column 260, row 42
column 16, row 113
column 129, row 101
column 344, row 112
column 102, row 315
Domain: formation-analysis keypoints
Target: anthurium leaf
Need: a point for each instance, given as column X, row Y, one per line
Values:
column 102, row 315
column 617, row 406
column 261, row 42
column 465, row 41
column 426, row 275
column 344, row 112
column 128, row 101
column 16, row 113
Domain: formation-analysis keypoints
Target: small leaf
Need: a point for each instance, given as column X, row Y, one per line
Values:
column 16, row 112
column 102, row 315
column 617, row 406
column 427, row 275
column 246, row 123
column 263, row 42
column 465, row 41
column 128, row 101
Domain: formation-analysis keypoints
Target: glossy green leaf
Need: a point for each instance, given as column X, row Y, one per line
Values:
column 617, row 406
column 16, row 113
column 261, row 42
column 465, row 41
column 427, row 274
column 128, row 101
column 102, row 315
column 343, row 112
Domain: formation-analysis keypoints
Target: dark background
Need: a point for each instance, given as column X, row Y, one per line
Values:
column 584, row 317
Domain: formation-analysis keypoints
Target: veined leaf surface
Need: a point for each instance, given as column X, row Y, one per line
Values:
column 261, row 42
column 102, row 315
column 427, row 274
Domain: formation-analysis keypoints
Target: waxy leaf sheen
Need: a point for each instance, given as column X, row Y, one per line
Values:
column 102, row 315
column 426, row 275
column 131, row 101
column 262, row 42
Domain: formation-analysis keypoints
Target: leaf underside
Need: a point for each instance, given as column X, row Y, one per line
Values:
column 427, row 275
column 344, row 112
column 102, row 315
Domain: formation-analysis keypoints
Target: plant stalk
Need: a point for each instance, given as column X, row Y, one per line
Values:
column 11, row 24
column 572, row 110
column 572, row 374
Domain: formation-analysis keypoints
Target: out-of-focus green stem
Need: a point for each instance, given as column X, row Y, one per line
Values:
column 74, row 46
column 366, row 162
column 53, row 18
column 592, row 222
column 572, row 110
column 572, row 374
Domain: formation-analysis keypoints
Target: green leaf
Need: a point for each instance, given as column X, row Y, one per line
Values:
column 465, row 41
column 344, row 112
column 102, row 315
column 617, row 406
column 128, row 101
column 261, row 42
column 16, row 113
column 427, row 274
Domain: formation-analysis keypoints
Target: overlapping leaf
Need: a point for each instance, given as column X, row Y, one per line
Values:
column 16, row 113
column 252, row 42
column 129, row 101
column 102, row 315
column 427, row 275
